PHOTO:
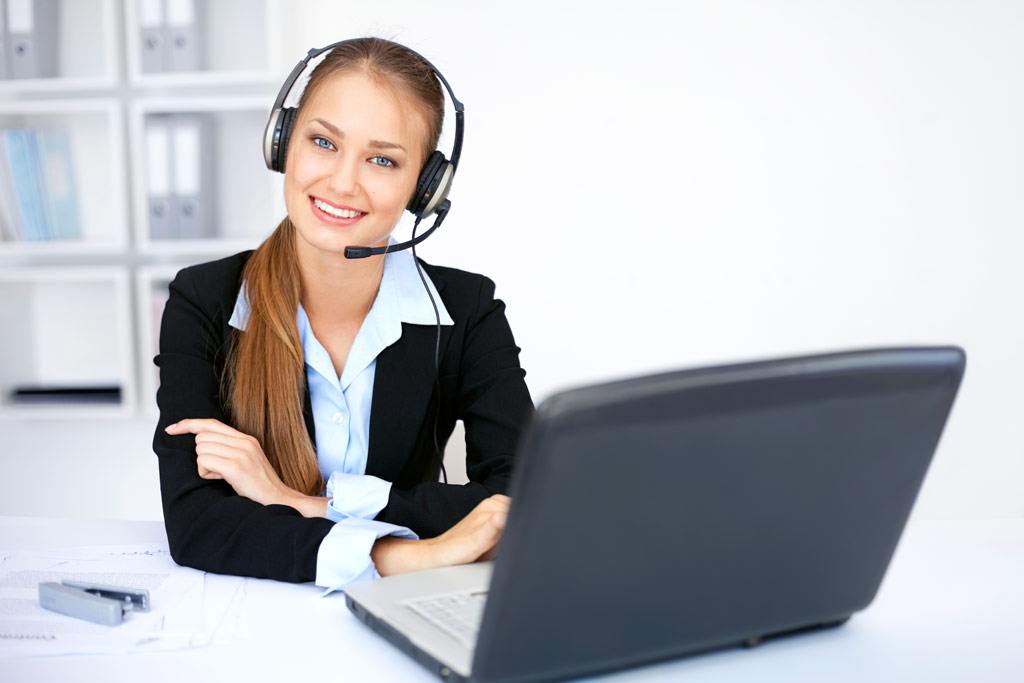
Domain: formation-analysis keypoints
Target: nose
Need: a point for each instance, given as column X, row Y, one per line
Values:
column 344, row 178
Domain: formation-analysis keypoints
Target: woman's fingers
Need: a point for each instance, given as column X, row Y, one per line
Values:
column 499, row 519
column 217, row 448
column 472, row 537
column 196, row 425
column 495, row 502
column 489, row 530
column 209, row 474
column 214, row 464
column 236, row 442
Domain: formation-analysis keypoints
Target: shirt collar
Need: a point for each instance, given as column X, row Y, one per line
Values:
column 400, row 298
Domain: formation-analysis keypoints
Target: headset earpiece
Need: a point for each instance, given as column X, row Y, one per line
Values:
column 288, row 117
column 432, row 186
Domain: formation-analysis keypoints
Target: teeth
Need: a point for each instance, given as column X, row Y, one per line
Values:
column 340, row 213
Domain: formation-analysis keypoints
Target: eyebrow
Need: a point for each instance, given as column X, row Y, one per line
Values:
column 377, row 144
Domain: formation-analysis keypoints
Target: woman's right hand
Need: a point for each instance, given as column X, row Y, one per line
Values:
column 474, row 537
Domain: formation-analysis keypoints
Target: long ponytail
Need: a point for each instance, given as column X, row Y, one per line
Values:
column 264, row 376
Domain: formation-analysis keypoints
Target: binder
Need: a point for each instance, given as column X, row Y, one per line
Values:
column 54, row 150
column 32, row 40
column 42, row 227
column 183, row 37
column 151, row 25
column 23, row 165
column 162, row 221
column 10, row 215
column 194, row 175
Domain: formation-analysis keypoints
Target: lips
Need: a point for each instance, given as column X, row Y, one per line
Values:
column 327, row 218
column 337, row 206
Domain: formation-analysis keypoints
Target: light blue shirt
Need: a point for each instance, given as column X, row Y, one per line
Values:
column 341, row 417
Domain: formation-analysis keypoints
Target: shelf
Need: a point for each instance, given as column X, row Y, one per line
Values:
column 200, row 42
column 234, row 200
column 86, row 51
column 94, row 131
column 65, row 327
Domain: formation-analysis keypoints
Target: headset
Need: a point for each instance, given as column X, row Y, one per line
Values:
column 430, row 196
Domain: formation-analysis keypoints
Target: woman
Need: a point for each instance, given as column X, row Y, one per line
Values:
column 297, row 403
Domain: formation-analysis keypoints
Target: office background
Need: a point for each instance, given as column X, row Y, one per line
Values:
column 706, row 181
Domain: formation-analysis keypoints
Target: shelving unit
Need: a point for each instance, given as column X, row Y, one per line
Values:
column 66, row 326
column 85, row 311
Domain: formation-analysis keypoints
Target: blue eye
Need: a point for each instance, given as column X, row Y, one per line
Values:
column 389, row 163
column 317, row 137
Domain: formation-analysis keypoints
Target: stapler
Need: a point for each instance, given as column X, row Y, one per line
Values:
column 94, row 602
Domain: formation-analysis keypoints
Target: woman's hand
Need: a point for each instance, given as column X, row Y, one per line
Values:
column 474, row 538
column 223, row 452
column 476, row 535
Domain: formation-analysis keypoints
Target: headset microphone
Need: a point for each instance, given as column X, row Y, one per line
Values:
column 363, row 252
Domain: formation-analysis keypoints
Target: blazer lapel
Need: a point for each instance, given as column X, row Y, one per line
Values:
column 402, row 385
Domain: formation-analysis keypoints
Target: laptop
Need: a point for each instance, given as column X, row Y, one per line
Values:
column 679, row 512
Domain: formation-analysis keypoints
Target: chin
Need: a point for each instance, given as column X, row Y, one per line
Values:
column 334, row 243
column 325, row 239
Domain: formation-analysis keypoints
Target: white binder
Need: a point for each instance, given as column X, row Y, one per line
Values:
column 32, row 39
column 194, row 175
column 57, row 165
column 10, row 216
column 162, row 219
column 183, row 37
column 151, row 27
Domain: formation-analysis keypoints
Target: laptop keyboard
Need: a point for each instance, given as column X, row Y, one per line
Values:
column 457, row 614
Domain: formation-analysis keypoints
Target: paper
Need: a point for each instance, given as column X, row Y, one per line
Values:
column 188, row 608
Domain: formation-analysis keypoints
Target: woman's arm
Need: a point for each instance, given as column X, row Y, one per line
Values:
column 494, row 404
column 209, row 526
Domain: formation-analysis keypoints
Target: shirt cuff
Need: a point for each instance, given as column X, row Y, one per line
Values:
column 356, row 495
column 344, row 554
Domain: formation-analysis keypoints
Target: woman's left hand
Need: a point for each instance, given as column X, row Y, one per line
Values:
column 223, row 452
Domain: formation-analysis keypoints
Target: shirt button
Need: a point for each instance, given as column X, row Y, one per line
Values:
column 338, row 418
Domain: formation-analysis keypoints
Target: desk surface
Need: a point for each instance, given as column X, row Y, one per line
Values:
column 951, row 608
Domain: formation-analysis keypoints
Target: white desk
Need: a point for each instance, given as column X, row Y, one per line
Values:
column 950, row 609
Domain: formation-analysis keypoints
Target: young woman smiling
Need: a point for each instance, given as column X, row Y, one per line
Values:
column 297, row 402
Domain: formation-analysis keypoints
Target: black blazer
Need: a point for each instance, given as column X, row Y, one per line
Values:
column 211, row 527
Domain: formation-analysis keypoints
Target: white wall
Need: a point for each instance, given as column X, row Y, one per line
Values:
column 654, row 186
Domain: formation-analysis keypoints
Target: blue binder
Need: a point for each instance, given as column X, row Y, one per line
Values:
column 54, row 150
column 23, row 164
